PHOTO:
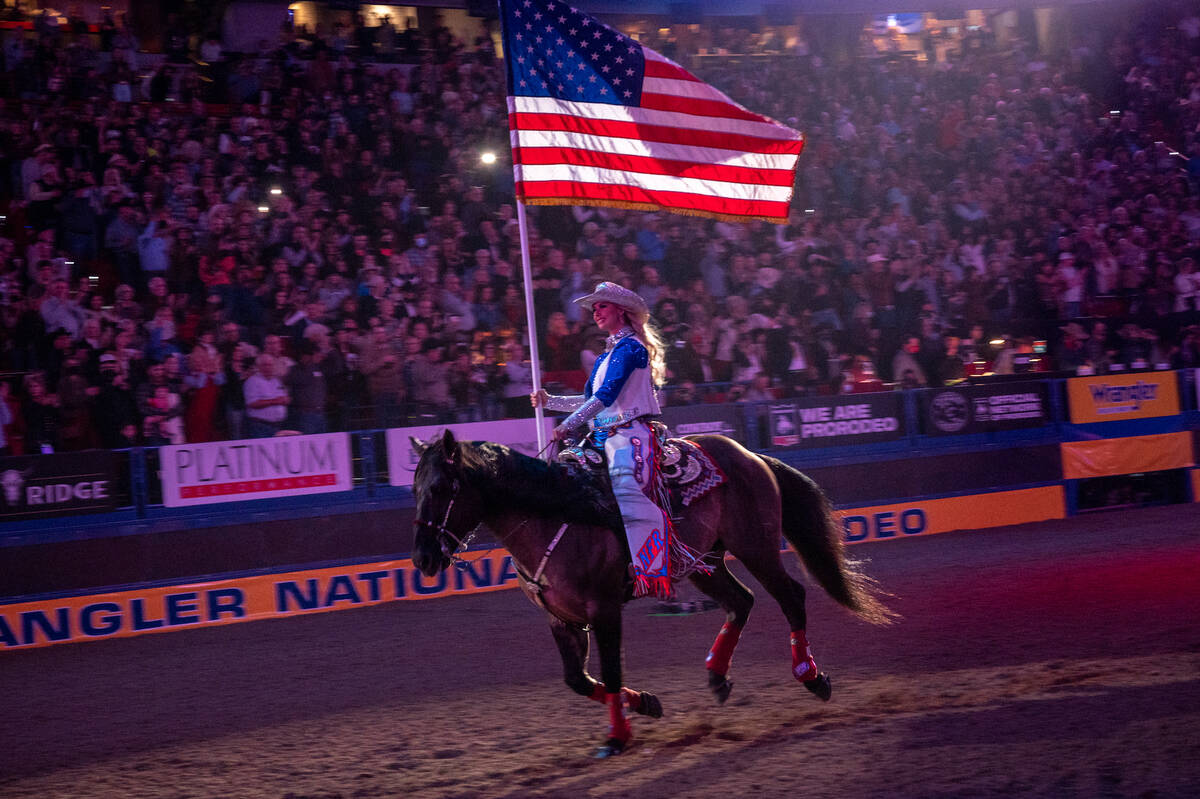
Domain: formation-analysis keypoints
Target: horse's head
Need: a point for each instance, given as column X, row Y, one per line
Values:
column 447, row 506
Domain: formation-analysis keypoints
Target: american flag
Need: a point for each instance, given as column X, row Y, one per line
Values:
column 597, row 119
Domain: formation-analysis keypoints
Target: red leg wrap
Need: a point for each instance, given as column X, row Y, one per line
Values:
column 722, row 649
column 618, row 725
column 633, row 699
column 804, row 668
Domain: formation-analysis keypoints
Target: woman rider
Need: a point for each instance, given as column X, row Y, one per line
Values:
column 618, row 401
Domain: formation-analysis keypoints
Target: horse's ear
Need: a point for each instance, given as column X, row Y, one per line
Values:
column 418, row 446
column 450, row 446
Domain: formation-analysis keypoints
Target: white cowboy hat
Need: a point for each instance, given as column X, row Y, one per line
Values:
column 617, row 295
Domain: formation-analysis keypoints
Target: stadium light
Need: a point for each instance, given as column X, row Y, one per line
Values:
column 276, row 190
column 262, row 209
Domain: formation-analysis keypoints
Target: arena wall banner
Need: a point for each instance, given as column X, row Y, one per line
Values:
column 159, row 609
column 1106, row 457
column 39, row 486
column 984, row 409
column 168, row 608
column 837, row 421
column 972, row 512
column 1111, row 398
column 686, row 420
column 258, row 468
column 520, row 434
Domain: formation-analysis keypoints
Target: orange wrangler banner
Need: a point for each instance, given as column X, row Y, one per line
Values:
column 1106, row 457
column 1115, row 398
column 159, row 609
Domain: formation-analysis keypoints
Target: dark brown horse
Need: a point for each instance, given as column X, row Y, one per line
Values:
column 563, row 531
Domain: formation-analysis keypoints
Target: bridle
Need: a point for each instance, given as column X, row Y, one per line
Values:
column 461, row 543
column 440, row 530
column 533, row 584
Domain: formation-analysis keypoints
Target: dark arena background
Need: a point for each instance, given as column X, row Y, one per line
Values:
column 978, row 331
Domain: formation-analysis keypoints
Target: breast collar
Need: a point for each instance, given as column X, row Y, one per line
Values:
column 612, row 340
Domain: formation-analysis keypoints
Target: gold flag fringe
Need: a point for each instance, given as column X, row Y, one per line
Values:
column 632, row 206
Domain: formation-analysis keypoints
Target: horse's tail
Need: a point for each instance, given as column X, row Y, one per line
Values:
column 811, row 528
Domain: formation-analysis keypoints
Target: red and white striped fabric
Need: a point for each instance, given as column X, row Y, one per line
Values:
column 618, row 124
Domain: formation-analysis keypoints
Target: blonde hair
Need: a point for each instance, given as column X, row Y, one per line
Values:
column 649, row 336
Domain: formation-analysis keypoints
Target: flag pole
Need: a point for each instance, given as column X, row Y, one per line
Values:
column 531, row 321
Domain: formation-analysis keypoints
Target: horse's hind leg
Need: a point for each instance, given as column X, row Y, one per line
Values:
column 737, row 600
column 572, row 643
column 790, row 595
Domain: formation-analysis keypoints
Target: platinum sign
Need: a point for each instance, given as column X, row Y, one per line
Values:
column 232, row 471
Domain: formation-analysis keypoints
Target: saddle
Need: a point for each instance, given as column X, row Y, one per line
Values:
column 687, row 471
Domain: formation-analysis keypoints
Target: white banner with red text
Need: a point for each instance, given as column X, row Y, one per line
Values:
column 520, row 434
column 259, row 468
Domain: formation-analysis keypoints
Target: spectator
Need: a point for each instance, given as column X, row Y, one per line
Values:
column 1070, row 287
column 40, row 415
column 6, row 418
column 950, row 367
column 266, row 399
column 385, row 372
column 204, row 380
column 430, row 387
column 759, row 389
column 60, row 311
column 116, row 408
column 518, row 381
column 906, row 370
column 308, row 388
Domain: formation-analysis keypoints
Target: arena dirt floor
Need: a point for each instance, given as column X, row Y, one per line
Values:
column 1059, row 659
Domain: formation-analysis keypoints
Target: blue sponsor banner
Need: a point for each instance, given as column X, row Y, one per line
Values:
column 39, row 486
column 686, row 420
column 837, row 421
column 959, row 410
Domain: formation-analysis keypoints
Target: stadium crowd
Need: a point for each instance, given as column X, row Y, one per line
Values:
column 207, row 246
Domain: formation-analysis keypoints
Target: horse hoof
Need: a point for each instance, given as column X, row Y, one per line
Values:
column 720, row 687
column 820, row 686
column 612, row 747
column 649, row 705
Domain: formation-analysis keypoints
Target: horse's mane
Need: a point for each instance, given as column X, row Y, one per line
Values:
column 552, row 490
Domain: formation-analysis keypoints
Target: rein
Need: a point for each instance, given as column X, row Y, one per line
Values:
column 535, row 583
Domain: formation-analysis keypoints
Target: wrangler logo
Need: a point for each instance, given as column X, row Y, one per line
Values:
column 1124, row 396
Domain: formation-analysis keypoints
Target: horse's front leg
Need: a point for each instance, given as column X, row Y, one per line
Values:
column 608, row 637
column 572, row 643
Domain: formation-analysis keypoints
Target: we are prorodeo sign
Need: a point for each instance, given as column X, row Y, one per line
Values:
column 835, row 421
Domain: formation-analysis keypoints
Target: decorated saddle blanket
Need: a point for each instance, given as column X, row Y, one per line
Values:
column 688, row 471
